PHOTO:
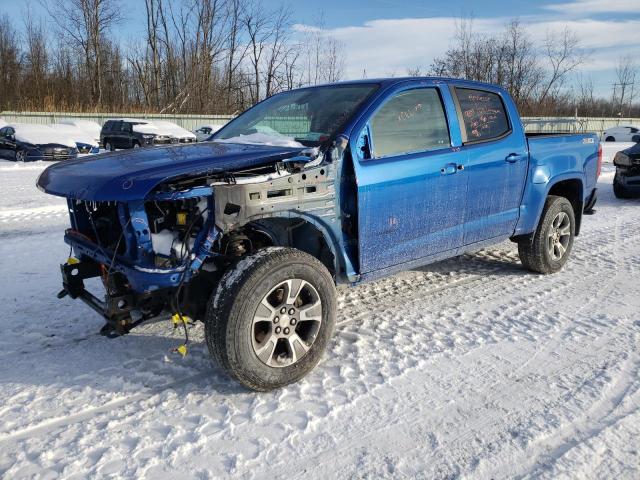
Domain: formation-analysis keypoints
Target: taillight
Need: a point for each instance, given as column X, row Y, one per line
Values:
column 599, row 169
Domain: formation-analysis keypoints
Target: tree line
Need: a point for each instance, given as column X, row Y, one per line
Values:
column 222, row 56
column 542, row 78
column 196, row 56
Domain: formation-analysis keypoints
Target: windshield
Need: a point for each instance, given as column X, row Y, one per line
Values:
column 307, row 117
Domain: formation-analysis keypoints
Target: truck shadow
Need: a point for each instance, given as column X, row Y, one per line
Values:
column 503, row 262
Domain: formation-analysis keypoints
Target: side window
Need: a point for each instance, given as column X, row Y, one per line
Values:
column 108, row 126
column 3, row 132
column 125, row 127
column 483, row 114
column 411, row 121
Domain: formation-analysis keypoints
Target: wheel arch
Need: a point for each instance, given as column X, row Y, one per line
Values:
column 299, row 231
column 569, row 186
column 573, row 190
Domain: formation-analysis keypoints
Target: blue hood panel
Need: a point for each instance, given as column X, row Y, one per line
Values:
column 131, row 174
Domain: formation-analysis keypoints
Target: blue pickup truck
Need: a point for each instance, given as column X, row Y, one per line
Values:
column 342, row 183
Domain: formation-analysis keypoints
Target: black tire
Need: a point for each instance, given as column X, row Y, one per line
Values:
column 21, row 155
column 108, row 146
column 538, row 252
column 618, row 189
column 135, row 145
column 231, row 330
column 610, row 139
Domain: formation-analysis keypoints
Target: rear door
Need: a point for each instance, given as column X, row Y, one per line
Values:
column 495, row 144
column 411, row 182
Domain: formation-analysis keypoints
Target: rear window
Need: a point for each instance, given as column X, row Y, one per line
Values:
column 108, row 125
column 483, row 114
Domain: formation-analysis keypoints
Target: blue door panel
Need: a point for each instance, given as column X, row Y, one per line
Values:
column 494, row 188
column 409, row 209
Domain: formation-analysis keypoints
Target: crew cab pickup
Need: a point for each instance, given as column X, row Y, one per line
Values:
column 342, row 183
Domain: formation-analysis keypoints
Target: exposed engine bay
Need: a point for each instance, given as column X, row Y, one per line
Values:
column 188, row 231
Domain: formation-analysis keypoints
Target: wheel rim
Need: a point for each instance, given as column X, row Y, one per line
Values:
column 20, row 156
column 286, row 323
column 559, row 236
column 135, row 145
column 108, row 147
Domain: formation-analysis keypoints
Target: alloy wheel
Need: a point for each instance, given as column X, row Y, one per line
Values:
column 559, row 236
column 286, row 323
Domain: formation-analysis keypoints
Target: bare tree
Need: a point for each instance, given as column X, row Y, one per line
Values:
column 564, row 55
column 85, row 23
column 625, row 81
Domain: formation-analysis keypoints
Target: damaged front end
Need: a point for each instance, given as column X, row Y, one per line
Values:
column 169, row 249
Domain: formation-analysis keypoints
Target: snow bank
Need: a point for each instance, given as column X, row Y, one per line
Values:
column 273, row 139
column 41, row 135
column 2, row 122
column 88, row 126
column 146, row 128
column 173, row 129
column 78, row 135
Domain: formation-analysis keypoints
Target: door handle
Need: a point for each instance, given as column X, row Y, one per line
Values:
column 513, row 158
column 450, row 169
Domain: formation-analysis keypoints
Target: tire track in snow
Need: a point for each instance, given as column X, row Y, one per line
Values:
column 48, row 425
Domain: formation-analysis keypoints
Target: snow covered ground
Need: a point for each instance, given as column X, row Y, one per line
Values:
column 467, row 368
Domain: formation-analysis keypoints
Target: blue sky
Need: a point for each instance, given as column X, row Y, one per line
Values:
column 385, row 37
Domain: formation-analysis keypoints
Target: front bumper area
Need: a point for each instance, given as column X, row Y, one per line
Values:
column 122, row 311
column 143, row 280
column 629, row 180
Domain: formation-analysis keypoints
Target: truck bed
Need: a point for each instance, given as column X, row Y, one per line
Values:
column 567, row 152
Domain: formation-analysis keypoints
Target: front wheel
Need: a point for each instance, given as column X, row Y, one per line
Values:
column 21, row 156
column 271, row 317
column 108, row 146
column 610, row 139
column 549, row 249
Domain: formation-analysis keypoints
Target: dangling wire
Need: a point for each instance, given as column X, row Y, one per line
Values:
column 178, row 317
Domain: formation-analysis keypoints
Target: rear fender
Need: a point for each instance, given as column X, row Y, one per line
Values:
column 535, row 196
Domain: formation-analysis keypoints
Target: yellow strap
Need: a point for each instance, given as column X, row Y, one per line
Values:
column 177, row 319
column 182, row 350
column 72, row 261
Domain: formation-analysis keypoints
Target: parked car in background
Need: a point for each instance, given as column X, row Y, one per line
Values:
column 622, row 133
column 626, row 182
column 89, row 126
column 24, row 142
column 85, row 143
column 333, row 184
column 176, row 131
column 205, row 131
column 122, row 133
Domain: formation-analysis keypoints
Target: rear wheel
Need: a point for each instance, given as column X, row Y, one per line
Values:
column 136, row 145
column 618, row 188
column 21, row 156
column 271, row 318
column 549, row 248
column 610, row 139
column 108, row 146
